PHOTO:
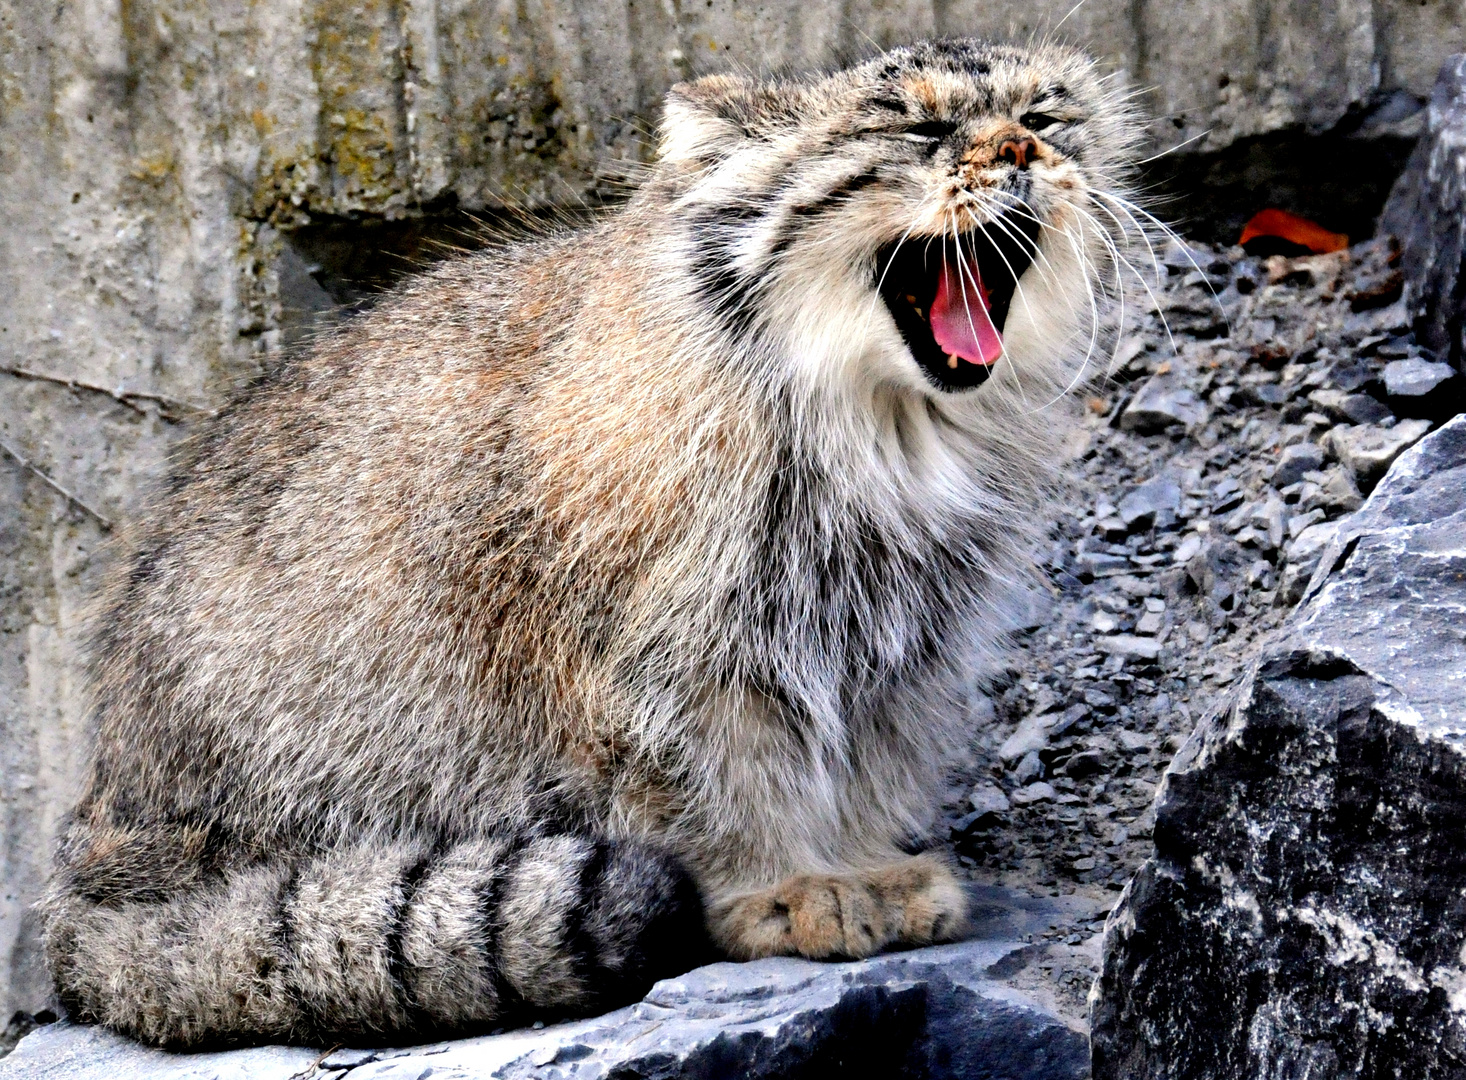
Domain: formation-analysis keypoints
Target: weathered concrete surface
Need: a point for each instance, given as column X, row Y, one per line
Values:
column 1427, row 212
column 1303, row 913
column 934, row 1013
column 156, row 149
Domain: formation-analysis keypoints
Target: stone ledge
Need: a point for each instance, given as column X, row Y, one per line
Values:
column 938, row 1012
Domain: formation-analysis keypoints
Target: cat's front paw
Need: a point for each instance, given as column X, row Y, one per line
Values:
column 913, row 902
column 924, row 900
column 814, row 915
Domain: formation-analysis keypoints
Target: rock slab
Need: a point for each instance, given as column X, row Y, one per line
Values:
column 1304, row 912
column 1427, row 212
column 932, row 1013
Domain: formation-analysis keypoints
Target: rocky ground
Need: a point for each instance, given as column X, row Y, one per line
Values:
column 1245, row 416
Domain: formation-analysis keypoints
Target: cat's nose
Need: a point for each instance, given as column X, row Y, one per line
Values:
column 1018, row 152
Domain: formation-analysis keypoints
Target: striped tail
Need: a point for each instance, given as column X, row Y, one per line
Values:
column 376, row 943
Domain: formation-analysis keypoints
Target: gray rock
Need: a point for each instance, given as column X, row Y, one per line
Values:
column 1098, row 562
column 1349, row 408
column 1153, row 503
column 1422, row 388
column 1336, row 491
column 1297, row 523
column 1367, row 451
column 1029, row 768
column 1270, row 521
column 1363, row 409
column 1260, row 574
column 1030, row 735
column 1414, row 377
column 1150, row 624
column 1161, row 401
column 1032, row 793
column 1296, row 460
column 1310, row 543
column 938, row 1013
column 1424, row 211
column 988, row 798
column 1129, row 647
column 1300, row 914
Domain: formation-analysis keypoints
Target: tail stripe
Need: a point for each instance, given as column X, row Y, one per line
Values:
column 284, row 934
column 397, row 966
column 579, row 944
column 534, row 910
column 491, row 908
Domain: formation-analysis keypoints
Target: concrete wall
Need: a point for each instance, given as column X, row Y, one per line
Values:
column 155, row 154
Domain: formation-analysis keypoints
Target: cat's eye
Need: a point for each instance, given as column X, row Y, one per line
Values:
column 931, row 129
column 1037, row 121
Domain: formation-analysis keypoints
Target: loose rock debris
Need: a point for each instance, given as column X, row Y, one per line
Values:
column 1252, row 411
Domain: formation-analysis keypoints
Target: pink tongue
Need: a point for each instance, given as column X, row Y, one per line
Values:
column 960, row 320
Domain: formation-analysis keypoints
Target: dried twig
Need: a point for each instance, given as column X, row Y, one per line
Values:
column 130, row 398
column 305, row 1072
column 25, row 463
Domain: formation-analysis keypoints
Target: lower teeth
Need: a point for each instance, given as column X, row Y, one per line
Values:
column 951, row 360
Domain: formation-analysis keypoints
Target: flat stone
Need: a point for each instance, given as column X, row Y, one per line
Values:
column 939, row 1012
column 1363, row 409
column 1422, row 388
column 1300, row 914
column 1186, row 549
column 988, row 798
column 1270, row 519
column 1311, row 543
column 1161, row 401
column 1337, row 491
column 1296, row 460
column 1299, row 522
column 1068, row 718
column 1130, row 647
column 1029, row 768
column 1150, row 624
column 1349, row 408
column 1030, row 735
column 1367, row 451
column 1032, row 793
column 1099, row 562
column 1148, row 503
column 1414, row 377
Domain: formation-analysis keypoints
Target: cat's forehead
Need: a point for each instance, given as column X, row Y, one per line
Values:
column 957, row 77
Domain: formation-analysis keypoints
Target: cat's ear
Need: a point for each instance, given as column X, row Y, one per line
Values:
column 707, row 119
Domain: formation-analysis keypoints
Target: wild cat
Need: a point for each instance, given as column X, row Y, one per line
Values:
column 607, row 600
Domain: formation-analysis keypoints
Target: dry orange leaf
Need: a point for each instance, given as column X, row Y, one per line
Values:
column 1295, row 230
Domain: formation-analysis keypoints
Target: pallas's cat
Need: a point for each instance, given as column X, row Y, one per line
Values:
column 604, row 601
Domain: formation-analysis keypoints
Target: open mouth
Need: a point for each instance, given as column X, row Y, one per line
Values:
column 950, row 297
